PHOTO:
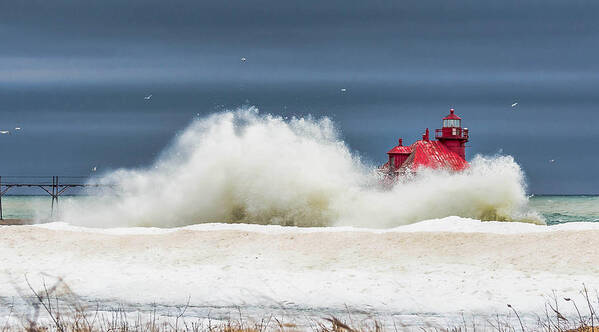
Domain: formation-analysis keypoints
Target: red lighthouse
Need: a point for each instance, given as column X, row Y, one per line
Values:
column 452, row 135
column 447, row 152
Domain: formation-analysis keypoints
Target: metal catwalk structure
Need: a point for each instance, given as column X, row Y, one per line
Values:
column 55, row 188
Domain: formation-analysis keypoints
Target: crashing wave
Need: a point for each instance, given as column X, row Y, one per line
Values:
column 244, row 167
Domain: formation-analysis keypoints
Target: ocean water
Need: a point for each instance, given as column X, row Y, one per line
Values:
column 562, row 209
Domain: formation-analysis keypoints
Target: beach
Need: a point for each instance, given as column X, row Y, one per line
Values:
column 435, row 268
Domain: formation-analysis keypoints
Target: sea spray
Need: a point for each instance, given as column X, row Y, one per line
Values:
column 244, row 167
column 492, row 188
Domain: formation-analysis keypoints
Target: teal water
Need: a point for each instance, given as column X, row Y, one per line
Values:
column 25, row 207
column 563, row 209
column 555, row 209
column 32, row 207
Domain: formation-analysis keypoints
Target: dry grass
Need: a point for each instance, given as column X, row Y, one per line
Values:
column 46, row 312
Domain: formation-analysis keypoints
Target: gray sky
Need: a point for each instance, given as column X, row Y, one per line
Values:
column 73, row 74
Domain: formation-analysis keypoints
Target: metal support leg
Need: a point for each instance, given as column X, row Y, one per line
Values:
column 52, row 194
column 57, row 194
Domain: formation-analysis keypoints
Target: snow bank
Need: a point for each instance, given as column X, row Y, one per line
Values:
column 437, row 266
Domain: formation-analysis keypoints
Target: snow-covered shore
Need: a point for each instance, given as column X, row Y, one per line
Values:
column 438, row 266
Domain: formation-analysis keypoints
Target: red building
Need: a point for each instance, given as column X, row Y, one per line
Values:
column 448, row 151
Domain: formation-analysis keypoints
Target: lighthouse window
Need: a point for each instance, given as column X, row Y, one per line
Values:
column 451, row 123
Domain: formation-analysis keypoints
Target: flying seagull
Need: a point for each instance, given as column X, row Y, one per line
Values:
column 552, row 161
column 17, row 128
column 94, row 169
column 4, row 132
column 514, row 104
column 148, row 97
column 343, row 89
column 243, row 59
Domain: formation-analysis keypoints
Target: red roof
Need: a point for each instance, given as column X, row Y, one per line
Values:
column 400, row 149
column 433, row 154
column 452, row 116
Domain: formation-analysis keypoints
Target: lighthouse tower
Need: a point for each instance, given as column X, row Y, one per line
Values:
column 452, row 135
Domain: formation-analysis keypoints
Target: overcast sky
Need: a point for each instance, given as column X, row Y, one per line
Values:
column 73, row 74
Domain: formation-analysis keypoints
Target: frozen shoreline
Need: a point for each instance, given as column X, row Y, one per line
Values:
column 450, row 224
column 440, row 266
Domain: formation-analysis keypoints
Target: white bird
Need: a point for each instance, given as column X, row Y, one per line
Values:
column 514, row 104
column 343, row 89
column 148, row 97
column 4, row 132
column 552, row 160
column 17, row 128
column 243, row 59
column 94, row 169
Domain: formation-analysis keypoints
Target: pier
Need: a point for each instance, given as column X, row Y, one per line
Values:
column 55, row 188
